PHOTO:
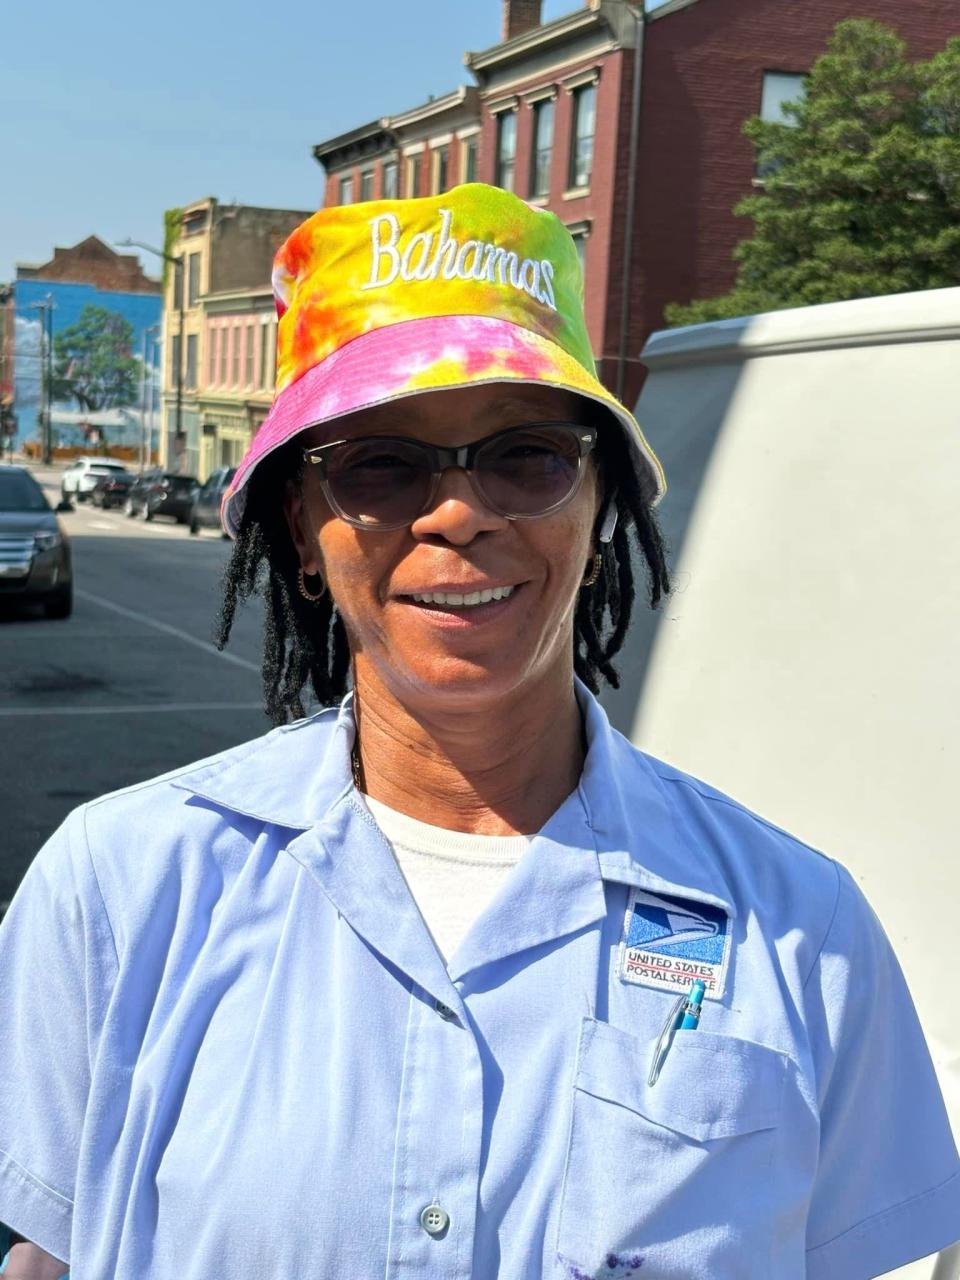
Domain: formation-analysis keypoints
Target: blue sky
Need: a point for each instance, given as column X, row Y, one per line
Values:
column 111, row 113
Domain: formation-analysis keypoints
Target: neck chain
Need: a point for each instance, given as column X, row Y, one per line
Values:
column 355, row 765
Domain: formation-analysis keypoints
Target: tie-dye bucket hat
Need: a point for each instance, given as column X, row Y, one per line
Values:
column 392, row 298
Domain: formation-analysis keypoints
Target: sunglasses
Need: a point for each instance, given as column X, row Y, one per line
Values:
column 387, row 482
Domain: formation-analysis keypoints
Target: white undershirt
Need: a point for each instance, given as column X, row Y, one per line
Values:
column 452, row 875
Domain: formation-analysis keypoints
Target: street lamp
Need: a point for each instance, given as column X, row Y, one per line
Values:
column 177, row 266
column 639, row 15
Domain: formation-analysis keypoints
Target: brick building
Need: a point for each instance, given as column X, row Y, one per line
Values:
column 708, row 66
column 648, row 194
column 421, row 152
column 555, row 114
column 228, row 349
column 94, row 263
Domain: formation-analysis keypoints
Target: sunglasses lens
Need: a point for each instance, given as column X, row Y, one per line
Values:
column 530, row 471
column 379, row 482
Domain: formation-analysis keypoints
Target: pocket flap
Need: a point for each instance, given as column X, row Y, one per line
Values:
column 711, row 1086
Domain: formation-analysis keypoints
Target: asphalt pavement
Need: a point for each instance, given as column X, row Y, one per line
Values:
column 128, row 687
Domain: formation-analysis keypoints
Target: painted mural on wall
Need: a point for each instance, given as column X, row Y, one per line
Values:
column 104, row 358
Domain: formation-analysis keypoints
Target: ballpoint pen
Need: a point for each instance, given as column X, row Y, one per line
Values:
column 693, row 1007
column 684, row 1016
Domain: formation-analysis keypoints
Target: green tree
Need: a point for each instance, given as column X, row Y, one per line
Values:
column 861, row 193
column 93, row 363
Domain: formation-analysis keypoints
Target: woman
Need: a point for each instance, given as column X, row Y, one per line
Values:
column 394, row 990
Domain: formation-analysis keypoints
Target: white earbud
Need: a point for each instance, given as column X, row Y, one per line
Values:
column 609, row 524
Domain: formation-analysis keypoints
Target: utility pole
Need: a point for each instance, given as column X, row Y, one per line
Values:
column 46, row 375
column 180, row 287
column 48, row 442
column 7, row 416
column 146, row 380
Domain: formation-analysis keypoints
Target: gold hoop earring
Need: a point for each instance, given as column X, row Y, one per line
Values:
column 308, row 595
column 596, row 564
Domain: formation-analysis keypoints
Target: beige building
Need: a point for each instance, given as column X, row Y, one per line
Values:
column 222, row 292
column 239, row 335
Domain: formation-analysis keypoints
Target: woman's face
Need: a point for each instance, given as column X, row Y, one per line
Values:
column 474, row 655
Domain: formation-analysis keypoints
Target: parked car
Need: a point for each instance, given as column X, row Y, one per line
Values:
column 161, row 493
column 80, row 478
column 111, row 490
column 205, row 513
column 35, row 563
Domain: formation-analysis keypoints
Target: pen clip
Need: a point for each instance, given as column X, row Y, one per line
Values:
column 665, row 1040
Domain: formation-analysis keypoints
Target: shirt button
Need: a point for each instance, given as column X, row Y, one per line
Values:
column 434, row 1220
column 445, row 1011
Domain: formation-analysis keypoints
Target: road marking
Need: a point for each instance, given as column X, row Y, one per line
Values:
column 134, row 710
column 168, row 630
column 41, row 631
column 101, row 524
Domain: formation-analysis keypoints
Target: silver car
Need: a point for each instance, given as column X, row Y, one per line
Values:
column 35, row 561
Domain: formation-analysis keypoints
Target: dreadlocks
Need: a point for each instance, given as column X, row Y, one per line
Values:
column 306, row 643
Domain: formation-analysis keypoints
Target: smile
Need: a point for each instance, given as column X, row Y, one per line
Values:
column 460, row 600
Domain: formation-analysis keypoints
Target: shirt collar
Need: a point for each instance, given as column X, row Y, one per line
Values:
column 290, row 778
column 636, row 820
column 295, row 775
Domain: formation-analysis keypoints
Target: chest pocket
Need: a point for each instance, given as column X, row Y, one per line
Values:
column 676, row 1173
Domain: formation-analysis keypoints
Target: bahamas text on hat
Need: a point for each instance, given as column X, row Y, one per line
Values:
column 471, row 260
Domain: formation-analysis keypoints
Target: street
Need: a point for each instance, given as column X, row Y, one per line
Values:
column 129, row 687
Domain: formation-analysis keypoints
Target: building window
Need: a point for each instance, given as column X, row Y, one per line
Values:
column 346, row 189
column 174, row 358
column 506, row 149
column 248, row 356
column 779, row 88
column 194, row 222
column 190, row 377
column 235, row 356
column 193, row 279
column 221, row 378
column 581, row 144
column 177, row 273
column 390, row 180
column 414, row 169
column 542, row 147
column 441, row 169
column 265, row 378
column 580, row 244
column 366, row 184
column 213, row 352
column 469, row 161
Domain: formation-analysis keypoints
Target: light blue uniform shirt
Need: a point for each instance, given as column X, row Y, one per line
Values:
column 231, row 1048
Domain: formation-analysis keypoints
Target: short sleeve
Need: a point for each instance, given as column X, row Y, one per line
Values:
column 57, row 968
column 888, row 1182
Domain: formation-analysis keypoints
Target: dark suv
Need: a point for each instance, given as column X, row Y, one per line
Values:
column 161, row 493
column 205, row 513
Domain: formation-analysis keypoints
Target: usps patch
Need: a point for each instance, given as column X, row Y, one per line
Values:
column 667, row 942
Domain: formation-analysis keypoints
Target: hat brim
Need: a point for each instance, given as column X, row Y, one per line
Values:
column 432, row 354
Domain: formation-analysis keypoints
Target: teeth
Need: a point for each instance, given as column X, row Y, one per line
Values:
column 460, row 601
